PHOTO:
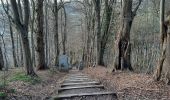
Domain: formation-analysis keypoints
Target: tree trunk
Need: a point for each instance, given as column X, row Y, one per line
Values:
column 106, row 30
column 13, row 46
column 163, row 68
column 46, row 32
column 166, row 65
column 65, row 31
column 90, row 23
column 123, row 46
column 157, row 74
column 6, row 65
column 23, row 28
column 21, row 51
column 40, row 36
column 56, row 38
column 98, row 29
column 32, row 33
column 27, row 52
column 6, row 9
column 101, row 55
column 1, row 60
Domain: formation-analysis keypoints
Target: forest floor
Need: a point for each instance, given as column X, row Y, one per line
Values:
column 21, row 87
column 130, row 86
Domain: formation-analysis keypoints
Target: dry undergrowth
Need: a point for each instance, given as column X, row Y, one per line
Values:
column 47, row 87
column 131, row 86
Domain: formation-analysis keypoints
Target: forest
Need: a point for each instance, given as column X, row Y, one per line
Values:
column 84, row 50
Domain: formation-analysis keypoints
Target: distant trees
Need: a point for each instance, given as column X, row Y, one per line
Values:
column 59, row 6
column 25, row 16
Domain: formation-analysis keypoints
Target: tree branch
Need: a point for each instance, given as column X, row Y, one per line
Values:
column 6, row 9
column 15, row 11
column 62, row 4
column 137, row 7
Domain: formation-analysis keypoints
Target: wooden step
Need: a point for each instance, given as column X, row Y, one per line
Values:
column 80, row 87
column 59, row 97
column 76, row 80
column 81, row 83
column 77, row 76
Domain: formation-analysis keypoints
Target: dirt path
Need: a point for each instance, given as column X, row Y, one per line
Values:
column 78, row 86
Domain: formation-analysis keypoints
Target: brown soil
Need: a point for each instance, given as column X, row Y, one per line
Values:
column 47, row 88
column 130, row 86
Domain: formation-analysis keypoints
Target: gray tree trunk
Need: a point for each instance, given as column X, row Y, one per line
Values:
column 32, row 32
column 46, row 33
column 23, row 28
column 98, row 33
column 1, row 60
column 13, row 46
column 163, row 67
column 40, row 36
column 65, row 31
column 106, row 29
column 122, row 45
column 6, row 9
column 56, row 37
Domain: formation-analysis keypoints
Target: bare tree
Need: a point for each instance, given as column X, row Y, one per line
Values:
column 21, row 22
column 122, row 45
column 163, row 69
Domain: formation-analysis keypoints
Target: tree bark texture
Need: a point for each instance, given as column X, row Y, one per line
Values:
column 1, row 60
column 163, row 67
column 40, row 36
column 56, row 36
column 97, row 5
column 123, row 46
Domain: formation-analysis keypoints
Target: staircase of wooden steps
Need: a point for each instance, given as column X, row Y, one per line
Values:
column 78, row 86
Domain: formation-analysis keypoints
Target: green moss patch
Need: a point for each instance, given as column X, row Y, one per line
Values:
column 20, row 76
column 3, row 95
